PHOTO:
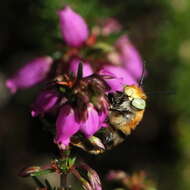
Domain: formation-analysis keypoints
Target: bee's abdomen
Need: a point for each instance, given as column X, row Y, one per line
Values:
column 125, row 121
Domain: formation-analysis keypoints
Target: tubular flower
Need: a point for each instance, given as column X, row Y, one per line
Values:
column 45, row 102
column 119, row 77
column 130, row 57
column 73, row 28
column 66, row 126
column 32, row 73
column 74, row 64
column 86, row 108
column 91, row 125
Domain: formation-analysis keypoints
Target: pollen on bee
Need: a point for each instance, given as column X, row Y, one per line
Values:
column 134, row 91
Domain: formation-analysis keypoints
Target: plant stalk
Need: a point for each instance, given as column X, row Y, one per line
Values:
column 63, row 182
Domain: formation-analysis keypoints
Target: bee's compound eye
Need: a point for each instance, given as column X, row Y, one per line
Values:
column 139, row 103
column 128, row 91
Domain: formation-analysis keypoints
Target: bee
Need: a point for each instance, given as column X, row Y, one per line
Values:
column 127, row 108
column 125, row 113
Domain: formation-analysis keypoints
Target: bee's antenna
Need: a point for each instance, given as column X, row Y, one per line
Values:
column 142, row 76
column 170, row 92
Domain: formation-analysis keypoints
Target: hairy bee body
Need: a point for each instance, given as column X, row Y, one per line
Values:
column 124, row 114
column 126, row 111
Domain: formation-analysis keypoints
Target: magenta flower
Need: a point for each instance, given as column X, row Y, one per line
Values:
column 110, row 26
column 91, row 124
column 30, row 74
column 117, row 78
column 45, row 102
column 74, row 64
column 130, row 57
column 66, row 126
column 74, row 30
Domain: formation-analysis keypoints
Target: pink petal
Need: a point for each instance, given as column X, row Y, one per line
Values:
column 66, row 125
column 45, row 102
column 91, row 125
column 74, row 29
column 74, row 64
column 130, row 57
column 30, row 74
column 119, row 77
column 110, row 26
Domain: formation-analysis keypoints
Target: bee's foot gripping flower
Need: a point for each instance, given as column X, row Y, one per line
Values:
column 73, row 28
column 30, row 74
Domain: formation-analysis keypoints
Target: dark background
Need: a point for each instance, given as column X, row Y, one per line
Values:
column 160, row 145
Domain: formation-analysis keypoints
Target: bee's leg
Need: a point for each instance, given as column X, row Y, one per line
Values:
column 109, row 137
column 78, row 142
column 118, row 137
column 98, row 146
column 92, row 145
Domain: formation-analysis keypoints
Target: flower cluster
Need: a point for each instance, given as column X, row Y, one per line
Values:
column 75, row 96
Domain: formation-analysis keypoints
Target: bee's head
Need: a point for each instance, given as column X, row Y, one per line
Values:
column 136, row 96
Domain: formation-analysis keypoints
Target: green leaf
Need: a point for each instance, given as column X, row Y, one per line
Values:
column 61, row 89
column 71, row 162
column 42, row 172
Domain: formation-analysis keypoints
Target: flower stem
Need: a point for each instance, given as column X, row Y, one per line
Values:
column 63, row 177
column 63, row 182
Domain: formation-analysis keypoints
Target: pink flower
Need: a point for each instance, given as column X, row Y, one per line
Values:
column 117, row 78
column 130, row 57
column 74, row 30
column 110, row 26
column 91, row 124
column 68, row 124
column 45, row 102
column 74, row 64
column 30, row 74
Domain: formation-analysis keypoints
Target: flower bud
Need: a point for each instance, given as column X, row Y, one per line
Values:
column 94, row 180
column 93, row 177
column 28, row 171
column 110, row 26
column 130, row 57
column 45, row 102
column 73, row 28
column 30, row 74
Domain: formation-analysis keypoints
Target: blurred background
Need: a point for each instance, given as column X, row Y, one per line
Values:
column 161, row 32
